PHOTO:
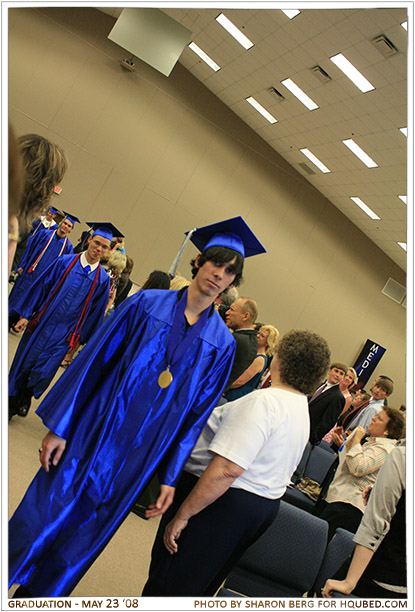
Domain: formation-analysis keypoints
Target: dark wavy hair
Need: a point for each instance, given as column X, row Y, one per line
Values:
column 157, row 280
column 304, row 358
column 221, row 255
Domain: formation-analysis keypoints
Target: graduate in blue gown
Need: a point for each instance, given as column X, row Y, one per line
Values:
column 45, row 221
column 43, row 249
column 69, row 300
column 133, row 402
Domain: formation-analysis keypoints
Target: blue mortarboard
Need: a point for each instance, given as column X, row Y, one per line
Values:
column 71, row 218
column 231, row 233
column 106, row 230
column 54, row 210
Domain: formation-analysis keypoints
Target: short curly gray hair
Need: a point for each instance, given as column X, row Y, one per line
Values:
column 303, row 358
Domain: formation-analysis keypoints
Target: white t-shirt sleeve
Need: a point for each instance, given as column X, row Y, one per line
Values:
column 245, row 428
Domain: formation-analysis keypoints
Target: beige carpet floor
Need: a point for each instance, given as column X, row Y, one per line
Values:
column 121, row 570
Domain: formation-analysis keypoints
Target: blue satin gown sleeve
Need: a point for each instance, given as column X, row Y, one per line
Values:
column 34, row 247
column 172, row 465
column 100, row 362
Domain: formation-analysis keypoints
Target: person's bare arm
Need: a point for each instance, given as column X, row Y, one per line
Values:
column 360, row 561
column 254, row 369
column 214, row 482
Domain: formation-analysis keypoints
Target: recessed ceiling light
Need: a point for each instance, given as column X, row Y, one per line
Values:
column 364, row 157
column 315, row 160
column 402, row 245
column 208, row 60
column 234, row 31
column 365, row 208
column 352, row 73
column 291, row 13
column 299, row 93
column 404, row 131
column 261, row 110
column 403, row 198
column 405, row 27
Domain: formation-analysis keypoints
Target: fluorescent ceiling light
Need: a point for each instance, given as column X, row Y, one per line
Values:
column 403, row 198
column 291, row 13
column 308, row 102
column 261, row 110
column 234, row 31
column 208, row 60
column 405, row 27
column 365, row 208
column 364, row 157
column 352, row 73
column 315, row 160
column 402, row 245
column 404, row 131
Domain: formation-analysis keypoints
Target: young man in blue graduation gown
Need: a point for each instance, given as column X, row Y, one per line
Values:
column 43, row 249
column 133, row 402
column 45, row 221
column 69, row 300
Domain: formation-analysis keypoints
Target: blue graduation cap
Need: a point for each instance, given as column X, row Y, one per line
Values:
column 232, row 233
column 106, row 230
column 54, row 210
column 70, row 218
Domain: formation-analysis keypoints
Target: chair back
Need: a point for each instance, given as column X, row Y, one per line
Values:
column 285, row 560
column 339, row 548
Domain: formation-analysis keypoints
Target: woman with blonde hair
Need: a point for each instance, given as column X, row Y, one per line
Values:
column 248, row 380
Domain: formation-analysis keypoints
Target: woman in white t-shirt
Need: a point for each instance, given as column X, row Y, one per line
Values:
column 230, row 490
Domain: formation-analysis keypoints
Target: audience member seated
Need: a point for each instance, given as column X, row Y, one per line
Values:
column 348, row 381
column 225, row 300
column 343, row 505
column 178, row 282
column 125, row 283
column 114, row 267
column 230, row 490
column 326, row 403
column 248, row 380
column 240, row 318
column 360, row 401
column 381, row 389
column 378, row 567
column 157, row 280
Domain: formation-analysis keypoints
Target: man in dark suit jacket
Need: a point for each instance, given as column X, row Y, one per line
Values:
column 326, row 403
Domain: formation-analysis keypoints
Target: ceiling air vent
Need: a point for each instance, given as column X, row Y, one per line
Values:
column 277, row 94
column 384, row 46
column 394, row 290
column 321, row 74
column 306, row 168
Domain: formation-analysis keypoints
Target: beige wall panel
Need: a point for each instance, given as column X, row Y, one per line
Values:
column 53, row 77
column 25, row 52
column 116, row 199
column 150, row 218
column 143, row 130
column 87, row 97
column 150, row 139
column 82, row 184
column 13, row 15
column 166, row 244
column 202, row 191
column 182, row 155
column 114, row 127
